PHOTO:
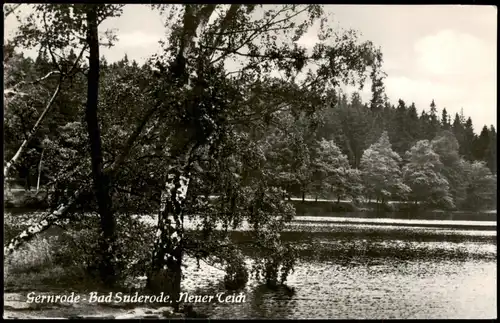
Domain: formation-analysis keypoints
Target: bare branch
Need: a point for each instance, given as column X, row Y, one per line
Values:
column 224, row 24
column 33, row 130
column 130, row 141
column 257, row 31
column 10, row 9
column 49, row 48
column 14, row 88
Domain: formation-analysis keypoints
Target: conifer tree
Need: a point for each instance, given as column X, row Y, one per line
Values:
column 481, row 144
column 491, row 153
column 468, row 139
column 445, row 120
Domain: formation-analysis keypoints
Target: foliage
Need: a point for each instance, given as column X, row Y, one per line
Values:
column 380, row 167
column 236, row 273
column 333, row 174
column 287, row 147
column 481, row 187
column 454, row 167
column 423, row 175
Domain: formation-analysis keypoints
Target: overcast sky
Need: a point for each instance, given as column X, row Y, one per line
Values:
column 445, row 53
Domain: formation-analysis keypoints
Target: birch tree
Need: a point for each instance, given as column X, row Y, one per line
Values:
column 198, row 47
column 198, row 131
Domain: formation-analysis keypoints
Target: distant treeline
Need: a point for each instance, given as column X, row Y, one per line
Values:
column 343, row 149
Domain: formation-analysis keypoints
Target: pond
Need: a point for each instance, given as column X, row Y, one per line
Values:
column 358, row 271
column 362, row 267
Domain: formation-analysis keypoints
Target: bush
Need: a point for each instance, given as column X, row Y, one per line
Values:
column 33, row 257
column 74, row 251
column 80, row 245
column 35, row 266
column 236, row 274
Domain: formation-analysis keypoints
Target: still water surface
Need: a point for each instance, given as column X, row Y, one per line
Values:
column 371, row 269
column 351, row 271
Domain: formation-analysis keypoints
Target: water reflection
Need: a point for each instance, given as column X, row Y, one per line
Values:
column 267, row 303
column 353, row 273
column 261, row 302
column 409, row 215
column 393, row 290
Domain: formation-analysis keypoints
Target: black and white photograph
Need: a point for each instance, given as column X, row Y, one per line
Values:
column 249, row 161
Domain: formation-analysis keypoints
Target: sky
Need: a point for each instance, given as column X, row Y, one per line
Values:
column 431, row 52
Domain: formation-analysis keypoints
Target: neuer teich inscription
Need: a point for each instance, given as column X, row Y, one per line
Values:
column 219, row 297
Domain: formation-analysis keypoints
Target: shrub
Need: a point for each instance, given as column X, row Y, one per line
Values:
column 236, row 274
column 133, row 253
column 74, row 250
column 32, row 257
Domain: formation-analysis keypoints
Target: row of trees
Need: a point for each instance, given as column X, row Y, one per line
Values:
column 342, row 132
column 355, row 125
column 430, row 172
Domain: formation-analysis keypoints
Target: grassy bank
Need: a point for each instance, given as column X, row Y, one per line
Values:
column 20, row 201
column 61, row 261
column 394, row 209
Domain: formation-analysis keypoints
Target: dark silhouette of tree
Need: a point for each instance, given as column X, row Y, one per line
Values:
column 491, row 152
column 481, row 144
column 467, row 142
column 445, row 122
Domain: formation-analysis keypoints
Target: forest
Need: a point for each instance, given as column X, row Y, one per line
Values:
column 107, row 141
column 327, row 154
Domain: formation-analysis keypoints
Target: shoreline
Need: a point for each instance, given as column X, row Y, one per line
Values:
column 19, row 199
column 328, row 207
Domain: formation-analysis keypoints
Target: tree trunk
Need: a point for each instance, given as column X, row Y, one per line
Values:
column 60, row 213
column 303, row 196
column 27, row 182
column 338, row 199
column 166, row 274
column 101, row 185
column 39, row 172
column 41, row 226
column 14, row 159
column 166, row 271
